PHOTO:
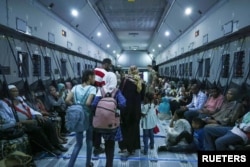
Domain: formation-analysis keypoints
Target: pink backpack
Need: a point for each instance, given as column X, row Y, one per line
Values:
column 106, row 118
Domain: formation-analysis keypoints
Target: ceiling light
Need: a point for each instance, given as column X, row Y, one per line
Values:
column 74, row 12
column 99, row 34
column 153, row 50
column 188, row 11
column 108, row 45
column 167, row 33
column 114, row 51
column 159, row 45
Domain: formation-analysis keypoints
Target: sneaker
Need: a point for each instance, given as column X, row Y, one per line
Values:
column 98, row 151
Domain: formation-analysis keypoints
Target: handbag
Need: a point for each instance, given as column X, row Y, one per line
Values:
column 11, row 133
column 156, row 129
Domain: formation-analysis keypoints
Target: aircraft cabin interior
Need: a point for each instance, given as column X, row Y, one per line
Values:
column 175, row 67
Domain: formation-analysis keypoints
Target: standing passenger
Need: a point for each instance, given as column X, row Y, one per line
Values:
column 151, row 78
column 131, row 87
column 100, row 74
column 86, row 87
column 110, row 138
column 148, row 121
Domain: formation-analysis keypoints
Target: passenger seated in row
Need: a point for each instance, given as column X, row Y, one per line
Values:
column 40, row 129
column 171, row 92
column 181, row 97
column 61, row 90
column 12, row 136
column 246, row 103
column 68, row 87
column 213, row 103
column 229, row 112
column 57, row 104
column 226, row 136
column 197, row 103
column 164, row 112
column 53, row 116
column 222, row 121
column 7, row 118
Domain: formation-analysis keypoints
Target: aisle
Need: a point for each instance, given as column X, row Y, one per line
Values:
column 153, row 159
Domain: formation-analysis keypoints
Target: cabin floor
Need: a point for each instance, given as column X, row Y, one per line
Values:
column 153, row 159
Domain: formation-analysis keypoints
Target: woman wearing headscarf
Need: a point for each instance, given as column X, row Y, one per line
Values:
column 61, row 90
column 164, row 109
column 131, row 87
column 110, row 138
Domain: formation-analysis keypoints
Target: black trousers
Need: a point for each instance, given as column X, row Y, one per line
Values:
column 39, row 139
column 109, row 151
column 184, row 135
column 49, row 127
column 97, row 139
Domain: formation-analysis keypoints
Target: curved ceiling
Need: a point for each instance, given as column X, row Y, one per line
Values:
column 130, row 24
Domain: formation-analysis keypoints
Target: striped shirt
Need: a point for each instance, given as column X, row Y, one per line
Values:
column 197, row 102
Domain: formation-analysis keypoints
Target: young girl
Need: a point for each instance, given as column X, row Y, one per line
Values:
column 85, row 93
column 148, row 121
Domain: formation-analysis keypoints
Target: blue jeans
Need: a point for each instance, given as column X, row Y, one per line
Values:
column 78, row 146
column 222, row 143
column 148, row 134
column 211, row 133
